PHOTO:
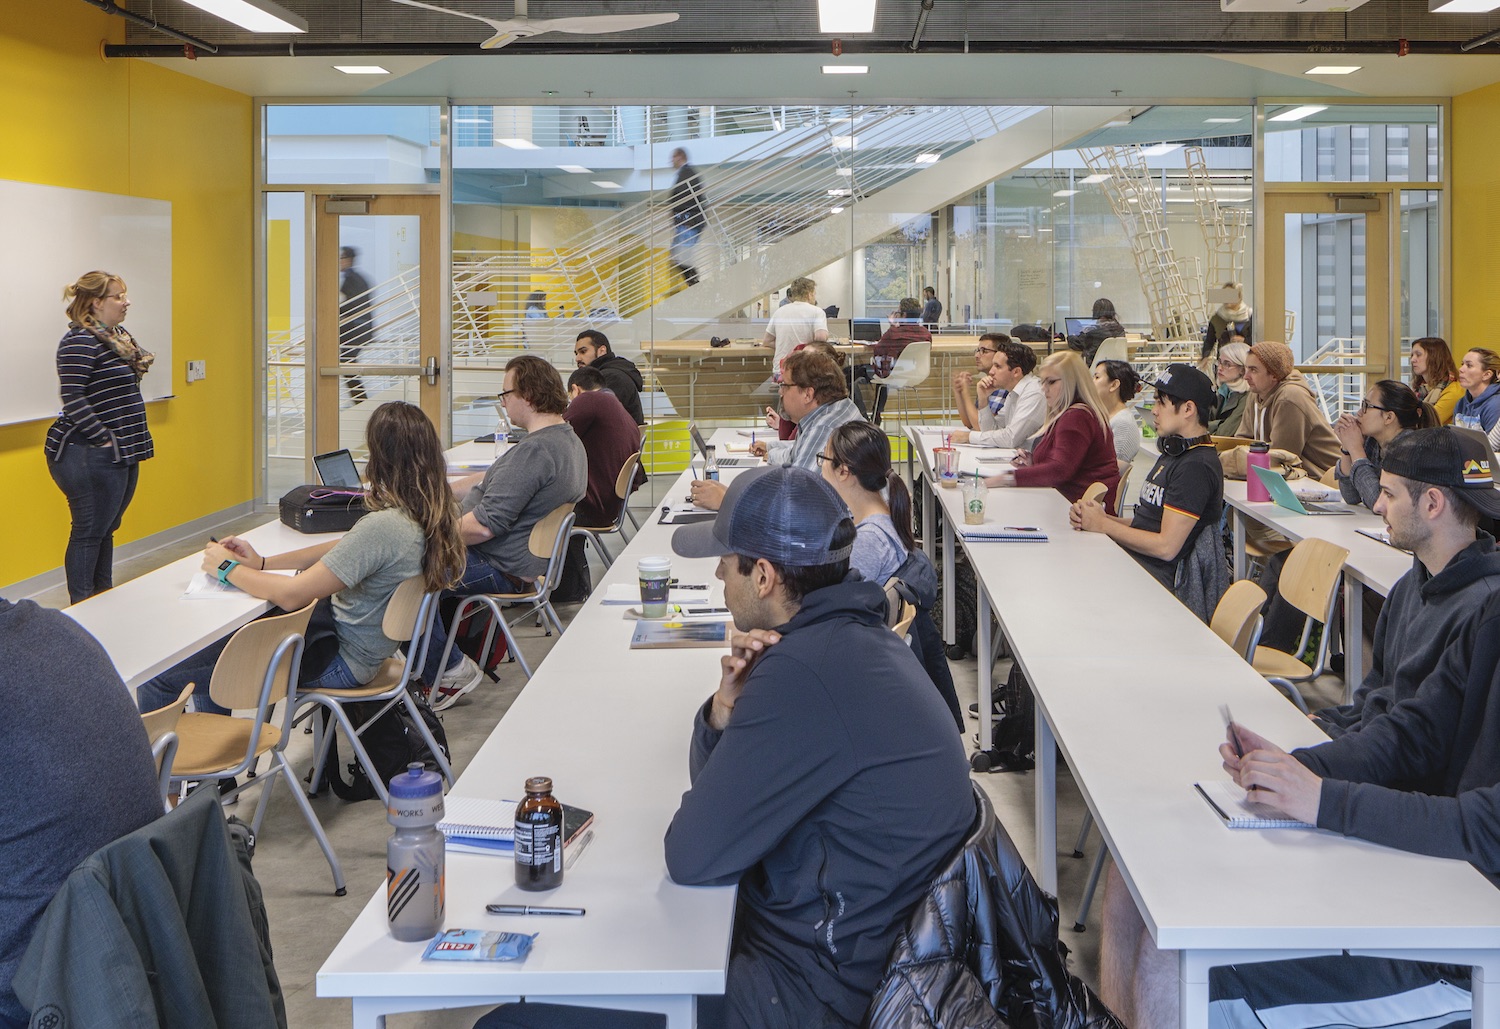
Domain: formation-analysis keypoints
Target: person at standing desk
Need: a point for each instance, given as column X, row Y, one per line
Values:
column 932, row 307
column 96, row 446
column 794, row 324
column 905, row 328
column 1012, row 405
column 1183, row 495
column 1390, row 409
column 1422, row 776
column 1076, row 447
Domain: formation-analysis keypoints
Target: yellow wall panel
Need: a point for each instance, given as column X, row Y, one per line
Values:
column 1476, row 219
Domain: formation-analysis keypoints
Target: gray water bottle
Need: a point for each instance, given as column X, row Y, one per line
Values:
column 414, row 856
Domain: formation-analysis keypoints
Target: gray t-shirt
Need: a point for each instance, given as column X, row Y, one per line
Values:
column 1127, row 434
column 877, row 549
column 382, row 551
column 547, row 469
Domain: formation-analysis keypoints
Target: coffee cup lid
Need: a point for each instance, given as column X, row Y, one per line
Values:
column 654, row 564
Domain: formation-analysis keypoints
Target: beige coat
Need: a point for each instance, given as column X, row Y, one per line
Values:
column 1290, row 419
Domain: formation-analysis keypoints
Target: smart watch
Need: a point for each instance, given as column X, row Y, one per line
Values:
column 225, row 567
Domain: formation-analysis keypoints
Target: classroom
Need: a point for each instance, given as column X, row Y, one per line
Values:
column 438, row 242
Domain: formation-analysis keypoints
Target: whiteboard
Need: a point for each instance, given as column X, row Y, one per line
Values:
column 52, row 236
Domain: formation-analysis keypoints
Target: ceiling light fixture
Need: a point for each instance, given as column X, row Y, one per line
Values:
column 253, row 15
column 1221, row 121
column 1066, row 193
column 1334, row 69
column 517, row 144
column 1461, row 6
column 606, row 184
column 929, row 158
column 1089, row 180
column 846, row 15
column 1298, row 113
column 846, row 69
column 360, row 69
column 576, row 169
column 1160, row 149
column 839, row 192
column 835, row 210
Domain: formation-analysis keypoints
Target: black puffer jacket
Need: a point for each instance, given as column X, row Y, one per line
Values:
column 980, row 950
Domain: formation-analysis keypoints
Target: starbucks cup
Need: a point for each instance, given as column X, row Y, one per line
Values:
column 656, row 575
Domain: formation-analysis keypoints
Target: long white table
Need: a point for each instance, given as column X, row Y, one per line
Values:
column 612, row 728
column 1370, row 565
column 1128, row 684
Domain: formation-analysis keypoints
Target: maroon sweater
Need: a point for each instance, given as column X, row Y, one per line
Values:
column 885, row 352
column 609, row 437
column 1072, row 455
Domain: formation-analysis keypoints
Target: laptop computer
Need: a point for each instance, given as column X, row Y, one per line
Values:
column 1282, row 495
column 336, row 470
column 1077, row 325
column 722, row 462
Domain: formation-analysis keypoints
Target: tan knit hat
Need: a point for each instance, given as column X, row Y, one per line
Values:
column 1276, row 357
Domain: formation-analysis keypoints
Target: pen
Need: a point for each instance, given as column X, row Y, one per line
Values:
column 578, row 849
column 1234, row 737
column 529, row 909
column 1021, row 528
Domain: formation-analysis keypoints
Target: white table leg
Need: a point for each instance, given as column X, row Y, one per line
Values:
column 1237, row 523
column 1354, row 635
column 950, row 633
column 1192, row 991
column 368, row 1013
column 1046, row 803
column 1486, row 991
column 986, row 673
column 929, row 520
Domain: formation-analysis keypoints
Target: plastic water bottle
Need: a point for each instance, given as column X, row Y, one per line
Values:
column 710, row 464
column 414, row 856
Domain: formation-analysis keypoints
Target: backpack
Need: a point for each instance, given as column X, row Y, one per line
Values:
column 392, row 741
column 468, row 636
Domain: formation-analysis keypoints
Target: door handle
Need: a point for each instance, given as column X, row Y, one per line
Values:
column 431, row 371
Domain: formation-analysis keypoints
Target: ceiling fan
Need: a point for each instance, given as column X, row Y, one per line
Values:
column 522, row 26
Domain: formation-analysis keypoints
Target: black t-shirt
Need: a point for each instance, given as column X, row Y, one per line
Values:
column 1192, row 484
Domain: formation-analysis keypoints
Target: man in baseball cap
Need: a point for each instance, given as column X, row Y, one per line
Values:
column 1183, row 495
column 823, row 734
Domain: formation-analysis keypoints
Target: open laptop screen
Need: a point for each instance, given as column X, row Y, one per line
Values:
column 336, row 469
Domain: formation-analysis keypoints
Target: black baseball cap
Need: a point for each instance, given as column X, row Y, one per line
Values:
column 1460, row 459
column 1184, row 382
column 786, row 515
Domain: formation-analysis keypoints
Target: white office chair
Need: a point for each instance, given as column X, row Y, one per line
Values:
column 910, row 370
column 1112, row 349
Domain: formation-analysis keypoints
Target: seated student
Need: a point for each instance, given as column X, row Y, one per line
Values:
column 1282, row 410
column 867, row 761
column 816, row 397
column 906, row 327
column 412, row 529
column 1434, row 376
column 1184, row 494
column 1012, row 406
column 1076, row 447
column 857, row 464
column 1421, row 776
column 609, row 436
column 1479, row 407
column 1232, row 391
column 621, row 376
column 786, row 428
column 1106, row 326
column 1118, row 384
column 77, row 767
column 1390, row 409
column 1455, row 570
column 546, row 469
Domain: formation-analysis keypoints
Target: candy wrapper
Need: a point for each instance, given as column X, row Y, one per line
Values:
column 478, row 945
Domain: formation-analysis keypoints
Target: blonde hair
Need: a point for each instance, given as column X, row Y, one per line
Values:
column 80, row 295
column 1077, row 387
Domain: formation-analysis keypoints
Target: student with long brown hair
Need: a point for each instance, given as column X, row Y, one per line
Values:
column 1434, row 376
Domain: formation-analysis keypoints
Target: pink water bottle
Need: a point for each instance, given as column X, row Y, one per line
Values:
column 1259, row 457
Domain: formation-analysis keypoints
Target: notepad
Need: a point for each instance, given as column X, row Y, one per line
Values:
column 652, row 635
column 1001, row 534
column 1233, row 805
column 1380, row 536
column 627, row 594
column 476, row 825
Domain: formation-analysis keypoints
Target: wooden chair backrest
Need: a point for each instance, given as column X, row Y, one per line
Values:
column 626, row 478
column 1234, row 618
column 544, row 533
column 908, row 615
column 400, row 620
column 164, row 719
column 1311, row 576
column 241, row 668
column 1096, row 492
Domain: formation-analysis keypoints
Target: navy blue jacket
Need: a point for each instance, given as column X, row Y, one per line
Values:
column 834, row 795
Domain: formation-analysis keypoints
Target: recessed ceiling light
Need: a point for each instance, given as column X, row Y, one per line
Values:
column 1089, row 180
column 846, row 15
column 1066, row 193
column 1334, row 69
column 844, row 142
column 1160, row 149
column 1221, row 121
column 576, row 169
column 1298, row 113
column 255, row 15
column 361, row 69
column 846, row 69
column 1461, row 6
column 606, row 184
column 835, row 210
column 517, row 144
column 839, row 192
column 928, row 158
column 846, row 172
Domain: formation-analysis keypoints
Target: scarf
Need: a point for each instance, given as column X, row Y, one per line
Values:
column 1233, row 314
column 123, row 343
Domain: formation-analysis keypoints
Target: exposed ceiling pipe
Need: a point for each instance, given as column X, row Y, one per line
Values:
column 151, row 23
column 916, row 34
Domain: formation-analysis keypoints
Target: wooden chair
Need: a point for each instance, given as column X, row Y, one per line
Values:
column 408, row 619
column 1310, row 583
column 1124, row 468
column 1097, row 490
column 161, row 730
column 908, row 615
column 256, row 671
column 624, row 486
column 549, row 539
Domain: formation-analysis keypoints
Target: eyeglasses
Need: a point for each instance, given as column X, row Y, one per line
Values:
column 824, row 457
column 784, row 386
column 985, row 350
column 505, row 392
column 1365, row 405
column 117, row 296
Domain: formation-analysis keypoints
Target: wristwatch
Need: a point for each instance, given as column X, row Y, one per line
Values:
column 225, row 567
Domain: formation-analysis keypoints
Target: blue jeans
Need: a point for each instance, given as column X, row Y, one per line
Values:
column 479, row 577
column 98, row 492
column 199, row 669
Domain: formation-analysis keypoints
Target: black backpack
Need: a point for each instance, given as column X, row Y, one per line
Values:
column 392, row 741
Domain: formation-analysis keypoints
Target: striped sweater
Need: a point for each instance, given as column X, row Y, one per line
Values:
column 101, row 400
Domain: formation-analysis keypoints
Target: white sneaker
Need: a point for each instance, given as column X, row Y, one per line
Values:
column 455, row 682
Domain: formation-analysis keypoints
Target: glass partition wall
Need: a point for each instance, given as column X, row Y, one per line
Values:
column 570, row 217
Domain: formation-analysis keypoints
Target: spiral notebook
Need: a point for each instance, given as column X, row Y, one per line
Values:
column 479, row 825
column 1233, row 805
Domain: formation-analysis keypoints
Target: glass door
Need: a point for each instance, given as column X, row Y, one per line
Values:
column 379, row 289
column 1326, row 290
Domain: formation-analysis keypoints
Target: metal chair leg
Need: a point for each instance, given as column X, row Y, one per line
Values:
column 1079, row 924
column 1083, row 834
column 311, row 817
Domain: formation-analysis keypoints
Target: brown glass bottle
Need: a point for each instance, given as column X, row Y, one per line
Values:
column 539, row 838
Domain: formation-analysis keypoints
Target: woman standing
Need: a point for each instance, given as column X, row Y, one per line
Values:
column 1228, row 321
column 95, row 447
column 1076, row 447
column 1232, row 391
column 1118, row 384
column 1390, row 409
column 1434, row 376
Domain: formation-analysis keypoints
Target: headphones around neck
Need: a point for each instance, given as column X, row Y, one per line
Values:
column 1176, row 446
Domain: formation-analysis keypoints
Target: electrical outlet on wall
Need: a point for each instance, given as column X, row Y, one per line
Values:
column 196, row 371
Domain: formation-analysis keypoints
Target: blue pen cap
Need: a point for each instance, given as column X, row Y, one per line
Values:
column 416, row 783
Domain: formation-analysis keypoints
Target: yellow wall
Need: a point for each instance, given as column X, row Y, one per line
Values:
column 70, row 118
column 1476, row 218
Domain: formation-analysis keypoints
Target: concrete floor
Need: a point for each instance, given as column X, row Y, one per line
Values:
column 307, row 920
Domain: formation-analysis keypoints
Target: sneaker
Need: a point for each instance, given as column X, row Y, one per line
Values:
column 455, row 682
